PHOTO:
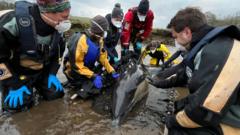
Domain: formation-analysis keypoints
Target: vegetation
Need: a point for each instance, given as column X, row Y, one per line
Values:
column 228, row 20
column 79, row 23
column 5, row 5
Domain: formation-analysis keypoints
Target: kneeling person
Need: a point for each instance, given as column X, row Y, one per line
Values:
column 158, row 51
column 85, row 50
column 31, row 47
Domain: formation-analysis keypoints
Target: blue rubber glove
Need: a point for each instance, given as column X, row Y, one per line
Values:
column 15, row 96
column 98, row 82
column 139, row 45
column 115, row 75
column 53, row 80
column 116, row 60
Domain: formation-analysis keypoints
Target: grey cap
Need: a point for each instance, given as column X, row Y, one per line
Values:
column 117, row 11
column 99, row 24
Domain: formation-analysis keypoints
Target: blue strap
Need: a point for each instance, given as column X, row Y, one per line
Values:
column 212, row 34
column 93, row 53
column 27, row 32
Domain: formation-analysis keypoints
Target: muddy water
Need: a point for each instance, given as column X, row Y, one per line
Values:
column 66, row 117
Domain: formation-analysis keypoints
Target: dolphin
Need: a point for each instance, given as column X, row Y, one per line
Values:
column 129, row 90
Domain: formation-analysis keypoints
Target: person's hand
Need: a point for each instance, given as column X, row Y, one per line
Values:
column 53, row 80
column 116, row 60
column 115, row 75
column 98, row 82
column 153, row 81
column 139, row 45
column 15, row 97
column 159, row 83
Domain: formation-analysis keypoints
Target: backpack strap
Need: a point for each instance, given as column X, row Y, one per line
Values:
column 206, row 39
column 26, row 26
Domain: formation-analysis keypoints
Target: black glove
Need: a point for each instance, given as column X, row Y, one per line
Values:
column 180, row 104
column 171, row 122
column 166, row 83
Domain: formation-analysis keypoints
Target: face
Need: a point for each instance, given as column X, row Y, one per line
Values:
column 54, row 19
column 183, row 38
column 141, row 17
column 97, row 37
column 117, row 22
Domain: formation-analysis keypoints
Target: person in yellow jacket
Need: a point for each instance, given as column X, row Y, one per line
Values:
column 158, row 51
column 85, row 51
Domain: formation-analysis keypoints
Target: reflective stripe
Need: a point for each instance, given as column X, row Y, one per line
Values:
column 31, row 64
column 228, row 130
column 185, row 121
column 226, row 83
column 4, row 72
column 127, row 26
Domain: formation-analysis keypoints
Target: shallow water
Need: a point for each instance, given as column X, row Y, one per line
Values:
column 67, row 117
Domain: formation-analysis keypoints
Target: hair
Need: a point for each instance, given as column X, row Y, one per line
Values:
column 190, row 17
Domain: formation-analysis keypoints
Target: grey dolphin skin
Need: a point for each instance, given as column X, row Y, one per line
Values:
column 129, row 90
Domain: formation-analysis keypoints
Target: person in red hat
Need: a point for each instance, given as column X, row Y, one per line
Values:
column 137, row 26
column 31, row 48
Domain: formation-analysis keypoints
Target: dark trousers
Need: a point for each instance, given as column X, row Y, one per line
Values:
column 159, row 56
column 38, row 81
column 82, row 85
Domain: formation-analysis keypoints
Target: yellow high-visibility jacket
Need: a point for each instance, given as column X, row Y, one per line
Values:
column 78, row 53
column 163, row 48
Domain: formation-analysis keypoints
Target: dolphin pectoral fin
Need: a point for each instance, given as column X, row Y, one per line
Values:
column 141, row 91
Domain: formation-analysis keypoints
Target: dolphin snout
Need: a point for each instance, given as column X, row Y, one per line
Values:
column 116, row 122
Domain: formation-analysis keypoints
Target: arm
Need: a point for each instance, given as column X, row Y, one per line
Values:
column 166, row 52
column 127, row 28
column 104, row 61
column 172, row 58
column 148, row 26
column 171, row 77
column 56, row 59
column 80, row 52
column 8, row 44
column 146, row 52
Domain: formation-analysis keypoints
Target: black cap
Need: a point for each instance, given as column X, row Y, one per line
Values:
column 143, row 7
column 117, row 11
column 99, row 24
